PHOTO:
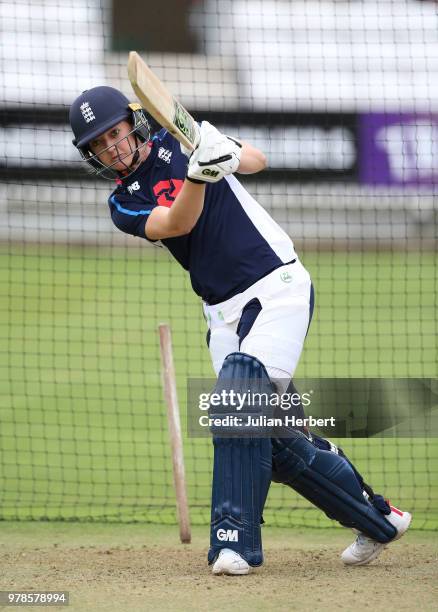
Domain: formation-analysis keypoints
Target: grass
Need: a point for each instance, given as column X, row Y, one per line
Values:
column 83, row 432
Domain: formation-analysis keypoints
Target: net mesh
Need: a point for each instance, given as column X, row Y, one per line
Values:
column 342, row 98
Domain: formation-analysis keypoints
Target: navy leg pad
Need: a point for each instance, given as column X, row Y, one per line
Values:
column 242, row 468
column 328, row 481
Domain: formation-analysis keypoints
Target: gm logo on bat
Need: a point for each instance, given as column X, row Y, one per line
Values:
column 227, row 535
column 209, row 172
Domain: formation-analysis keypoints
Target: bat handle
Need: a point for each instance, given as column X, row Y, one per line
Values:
column 197, row 137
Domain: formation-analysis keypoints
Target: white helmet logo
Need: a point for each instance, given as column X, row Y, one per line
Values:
column 87, row 113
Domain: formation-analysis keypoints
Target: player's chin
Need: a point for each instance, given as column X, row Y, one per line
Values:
column 121, row 164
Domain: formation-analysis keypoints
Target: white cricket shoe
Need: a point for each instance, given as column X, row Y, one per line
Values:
column 365, row 549
column 231, row 563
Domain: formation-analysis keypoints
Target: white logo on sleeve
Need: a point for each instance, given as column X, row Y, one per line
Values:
column 87, row 113
column 227, row 535
column 164, row 154
column 134, row 187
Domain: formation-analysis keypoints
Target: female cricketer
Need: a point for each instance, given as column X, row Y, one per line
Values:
column 257, row 299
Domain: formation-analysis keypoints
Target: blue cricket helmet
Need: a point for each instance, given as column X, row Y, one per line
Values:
column 97, row 110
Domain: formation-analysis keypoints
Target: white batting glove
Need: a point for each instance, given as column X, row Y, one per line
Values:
column 216, row 156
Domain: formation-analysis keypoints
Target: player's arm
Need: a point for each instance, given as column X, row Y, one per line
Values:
column 208, row 163
column 181, row 218
column 252, row 160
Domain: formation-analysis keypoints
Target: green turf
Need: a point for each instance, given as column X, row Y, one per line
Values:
column 83, row 431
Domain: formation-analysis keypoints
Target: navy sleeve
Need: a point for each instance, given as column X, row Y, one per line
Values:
column 130, row 217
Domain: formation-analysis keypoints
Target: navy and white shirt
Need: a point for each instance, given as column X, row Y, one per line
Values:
column 234, row 243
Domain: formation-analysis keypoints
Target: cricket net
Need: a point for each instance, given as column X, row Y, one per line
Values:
column 342, row 98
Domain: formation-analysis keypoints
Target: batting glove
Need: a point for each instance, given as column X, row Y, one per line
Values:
column 216, row 156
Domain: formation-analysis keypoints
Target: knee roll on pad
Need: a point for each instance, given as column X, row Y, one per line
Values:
column 242, row 468
column 328, row 481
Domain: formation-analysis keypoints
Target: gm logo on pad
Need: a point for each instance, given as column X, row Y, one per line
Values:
column 227, row 535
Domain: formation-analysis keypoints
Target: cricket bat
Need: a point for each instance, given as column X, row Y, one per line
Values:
column 157, row 100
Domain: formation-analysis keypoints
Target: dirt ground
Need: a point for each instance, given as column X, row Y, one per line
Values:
column 112, row 567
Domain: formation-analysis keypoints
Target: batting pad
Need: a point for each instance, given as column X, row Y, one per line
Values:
column 328, row 481
column 242, row 466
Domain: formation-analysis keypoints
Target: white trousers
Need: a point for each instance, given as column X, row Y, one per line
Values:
column 277, row 336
